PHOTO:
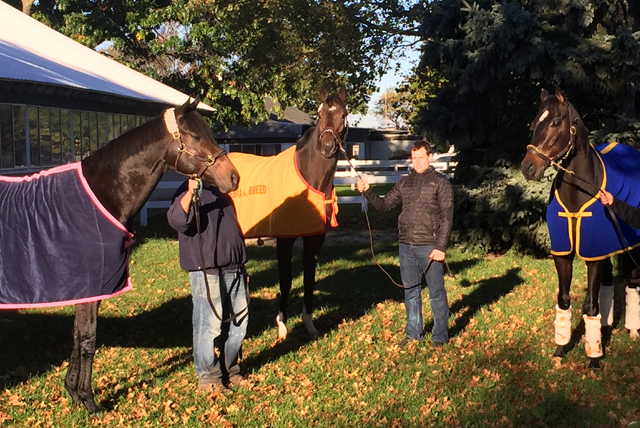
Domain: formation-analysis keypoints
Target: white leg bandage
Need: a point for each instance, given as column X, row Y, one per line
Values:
column 307, row 320
column 606, row 305
column 563, row 326
column 632, row 311
column 592, row 336
column 282, row 327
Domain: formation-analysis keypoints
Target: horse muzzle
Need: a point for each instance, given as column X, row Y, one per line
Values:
column 533, row 167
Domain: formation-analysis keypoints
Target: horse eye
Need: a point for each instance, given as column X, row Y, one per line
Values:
column 197, row 137
column 556, row 122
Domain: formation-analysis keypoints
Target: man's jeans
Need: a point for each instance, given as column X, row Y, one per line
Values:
column 413, row 260
column 229, row 295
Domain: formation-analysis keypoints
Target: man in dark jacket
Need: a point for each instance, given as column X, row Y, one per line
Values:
column 628, row 213
column 220, row 302
column 424, row 227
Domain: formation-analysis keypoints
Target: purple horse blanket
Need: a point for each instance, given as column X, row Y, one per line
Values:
column 58, row 245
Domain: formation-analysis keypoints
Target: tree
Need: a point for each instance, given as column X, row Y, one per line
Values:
column 395, row 106
column 494, row 59
column 235, row 52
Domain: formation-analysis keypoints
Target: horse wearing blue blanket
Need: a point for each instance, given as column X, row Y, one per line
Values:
column 579, row 225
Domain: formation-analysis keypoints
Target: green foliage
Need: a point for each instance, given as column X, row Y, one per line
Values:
column 395, row 106
column 495, row 57
column 235, row 53
column 498, row 210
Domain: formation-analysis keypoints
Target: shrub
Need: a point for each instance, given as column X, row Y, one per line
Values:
column 498, row 210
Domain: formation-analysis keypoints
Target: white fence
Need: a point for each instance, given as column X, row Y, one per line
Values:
column 377, row 171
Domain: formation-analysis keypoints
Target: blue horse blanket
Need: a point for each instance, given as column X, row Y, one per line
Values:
column 58, row 244
column 590, row 232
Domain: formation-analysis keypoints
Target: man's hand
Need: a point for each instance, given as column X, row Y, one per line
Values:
column 437, row 255
column 363, row 185
column 192, row 188
column 606, row 198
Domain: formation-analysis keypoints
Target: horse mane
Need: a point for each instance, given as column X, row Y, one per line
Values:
column 130, row 143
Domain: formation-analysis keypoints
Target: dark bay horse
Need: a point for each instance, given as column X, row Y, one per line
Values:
column 266, row 184
column 318, row 151
column 578, row 223
column 122, row 176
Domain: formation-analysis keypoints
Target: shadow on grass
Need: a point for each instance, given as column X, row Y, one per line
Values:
column 488, row 291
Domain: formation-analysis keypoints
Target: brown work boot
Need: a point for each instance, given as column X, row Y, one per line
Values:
column 237, row 380
column 214, row 386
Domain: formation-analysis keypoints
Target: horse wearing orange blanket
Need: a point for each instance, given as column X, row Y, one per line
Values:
column 291, row 195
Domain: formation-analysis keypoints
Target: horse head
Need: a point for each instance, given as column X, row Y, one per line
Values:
column 553, row 139
column 332, row 126
column 199, row 154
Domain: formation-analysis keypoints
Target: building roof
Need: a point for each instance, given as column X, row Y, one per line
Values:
column 34, row 53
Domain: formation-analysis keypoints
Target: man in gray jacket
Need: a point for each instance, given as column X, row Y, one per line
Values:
column 424, row 228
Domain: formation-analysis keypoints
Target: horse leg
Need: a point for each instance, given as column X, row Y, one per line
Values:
column 312, row 246
column 606, row 294
column 78, row 379
column 591, row 314
column 284, row 250
column 632, row 280
column 564, row 269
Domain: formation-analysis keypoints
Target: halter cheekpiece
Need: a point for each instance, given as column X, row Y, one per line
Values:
column 563, row 154
column 169, row 118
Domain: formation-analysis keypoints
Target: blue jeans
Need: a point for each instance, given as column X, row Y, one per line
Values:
column 413, row 260
column 229, row 296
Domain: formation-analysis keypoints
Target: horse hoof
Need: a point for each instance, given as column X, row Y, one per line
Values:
column 559, row 352
column 308, row 323
column 633, row 334
column 594, row 363
column 282, row 327
column 91, row 406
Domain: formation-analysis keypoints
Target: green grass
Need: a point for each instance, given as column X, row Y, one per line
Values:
column 497, row 370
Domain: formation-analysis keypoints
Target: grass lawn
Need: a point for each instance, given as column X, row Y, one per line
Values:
column 497, row 371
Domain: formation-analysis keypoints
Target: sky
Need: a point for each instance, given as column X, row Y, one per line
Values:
column 388, row 81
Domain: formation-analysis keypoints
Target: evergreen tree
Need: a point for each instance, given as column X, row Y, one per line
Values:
column 494, row 59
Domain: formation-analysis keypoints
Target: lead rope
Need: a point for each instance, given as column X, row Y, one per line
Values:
column 196, row 207
column 373, row 255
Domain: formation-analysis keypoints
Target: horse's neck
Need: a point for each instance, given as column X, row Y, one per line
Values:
column 124, row 173
column 587, row 174
column 317, row 170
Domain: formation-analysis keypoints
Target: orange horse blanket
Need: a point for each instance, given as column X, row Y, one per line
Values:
column 274, row 200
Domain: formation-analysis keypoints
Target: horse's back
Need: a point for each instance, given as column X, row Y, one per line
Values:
column 57, row 244
column 274, row 200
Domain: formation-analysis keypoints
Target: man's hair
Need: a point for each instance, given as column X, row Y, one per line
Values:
column 430, row 148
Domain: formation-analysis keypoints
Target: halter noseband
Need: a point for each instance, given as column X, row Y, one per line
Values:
column 339, row 141
column 563, row 154
column 170, row 123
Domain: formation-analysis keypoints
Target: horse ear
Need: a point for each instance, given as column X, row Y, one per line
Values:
column 544, row 94
column 323, row 93
column 342, row 94
column 559, row 94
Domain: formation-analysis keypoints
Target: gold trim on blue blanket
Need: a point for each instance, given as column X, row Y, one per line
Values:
column 590, row 232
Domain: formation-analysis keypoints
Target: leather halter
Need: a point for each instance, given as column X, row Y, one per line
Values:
column 171, row 124
column 562, row 154
column 337, row 139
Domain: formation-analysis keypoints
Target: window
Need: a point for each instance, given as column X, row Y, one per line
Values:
column 6, row 137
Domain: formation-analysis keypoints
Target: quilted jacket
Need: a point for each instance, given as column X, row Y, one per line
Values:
column 427, row 208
